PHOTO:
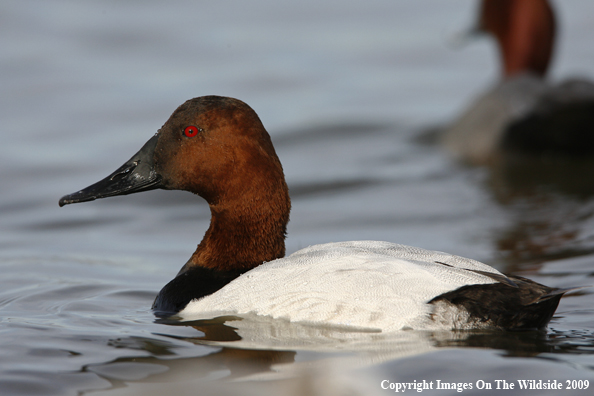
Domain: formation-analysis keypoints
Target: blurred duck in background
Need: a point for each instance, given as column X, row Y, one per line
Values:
column 523, row 114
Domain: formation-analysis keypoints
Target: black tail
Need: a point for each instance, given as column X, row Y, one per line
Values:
column 520, row 304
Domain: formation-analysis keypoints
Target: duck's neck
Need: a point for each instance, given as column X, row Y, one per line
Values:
column 525, row 33
column 244, row 233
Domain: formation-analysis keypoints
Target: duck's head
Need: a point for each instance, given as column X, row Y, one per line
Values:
column 213, row 146
column 524, row 31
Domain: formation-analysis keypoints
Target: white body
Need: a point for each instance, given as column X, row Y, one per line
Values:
column 363, row 284
column 477, row 135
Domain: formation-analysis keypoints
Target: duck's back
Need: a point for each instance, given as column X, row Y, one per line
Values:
column 364, row 284
column 476, row 135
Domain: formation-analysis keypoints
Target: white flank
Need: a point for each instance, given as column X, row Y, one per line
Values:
column 362, row 284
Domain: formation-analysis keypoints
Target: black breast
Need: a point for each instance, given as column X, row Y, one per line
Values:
column 194, row 283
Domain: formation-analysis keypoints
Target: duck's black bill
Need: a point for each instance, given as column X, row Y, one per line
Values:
column 136, row 175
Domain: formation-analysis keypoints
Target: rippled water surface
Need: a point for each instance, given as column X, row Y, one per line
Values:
column 348, row 91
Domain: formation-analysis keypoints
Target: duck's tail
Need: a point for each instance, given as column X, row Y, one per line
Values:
column 518, row 304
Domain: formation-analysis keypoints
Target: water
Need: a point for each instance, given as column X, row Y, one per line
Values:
column 347, row 90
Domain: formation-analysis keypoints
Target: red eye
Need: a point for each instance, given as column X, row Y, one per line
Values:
column 191, row 131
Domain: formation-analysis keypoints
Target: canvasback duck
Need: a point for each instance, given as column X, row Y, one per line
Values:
column 217, row 147
column 524, row 114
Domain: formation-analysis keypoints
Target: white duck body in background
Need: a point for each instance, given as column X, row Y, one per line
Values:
column 523, row 113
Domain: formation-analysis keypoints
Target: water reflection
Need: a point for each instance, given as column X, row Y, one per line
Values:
column 550, row 203
column 256, row 348
column 516, row 176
